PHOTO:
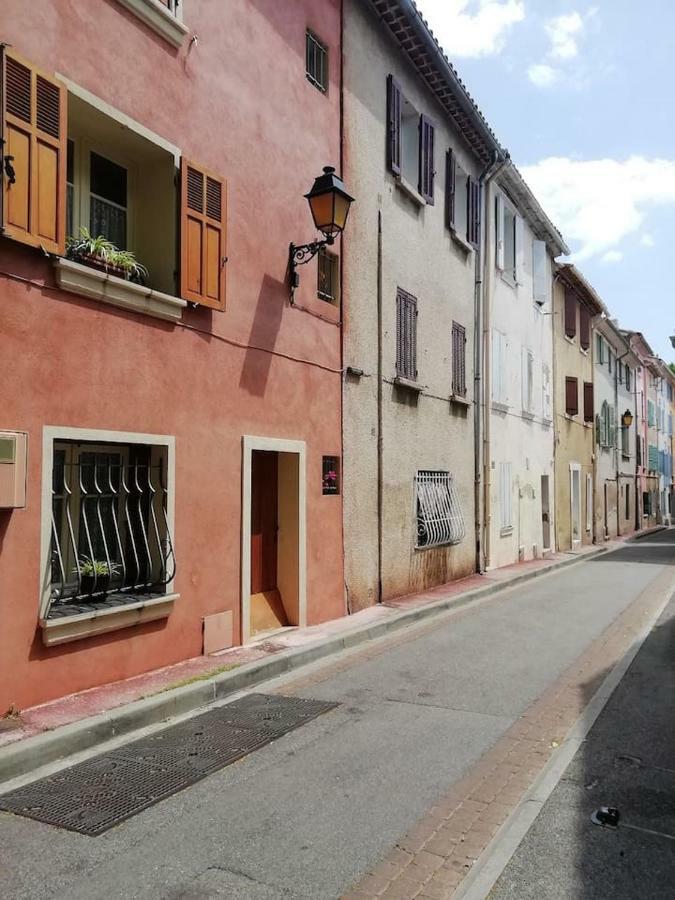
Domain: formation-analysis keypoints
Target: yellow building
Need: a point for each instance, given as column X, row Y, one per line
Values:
column 575, row 304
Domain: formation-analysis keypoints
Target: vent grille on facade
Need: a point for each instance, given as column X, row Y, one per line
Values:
column 18, row 90
column 214, row 192
column 195, row 190
column 48, row 110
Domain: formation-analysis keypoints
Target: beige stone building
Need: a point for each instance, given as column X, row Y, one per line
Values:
column 575, row 304
column 415, row 147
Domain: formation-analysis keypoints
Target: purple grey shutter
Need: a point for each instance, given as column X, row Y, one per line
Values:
column 450, row 189
column 473, row 217
column 393, row 125
column 426, row 184
column 458, row 359
column 406, row 335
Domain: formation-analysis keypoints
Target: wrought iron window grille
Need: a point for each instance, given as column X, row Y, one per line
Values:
column 110, row 541
column 440, row 519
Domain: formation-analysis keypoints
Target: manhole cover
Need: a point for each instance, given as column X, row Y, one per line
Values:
column 94, row 795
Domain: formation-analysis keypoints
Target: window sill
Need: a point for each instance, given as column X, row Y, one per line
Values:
column 409, row 385
column 461, row 242
column 547, row 422
column 500, row 407
column 406, row 188
column 506, row 532
column 98, row 285
column 571, row 417
column 570, row 340
column 63, row 630
column 526, row 414
column 157, row 16
column 459, row 400
column 512, row 283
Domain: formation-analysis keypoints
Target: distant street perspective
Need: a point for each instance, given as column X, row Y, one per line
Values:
column 431, row 739
column 337, row 497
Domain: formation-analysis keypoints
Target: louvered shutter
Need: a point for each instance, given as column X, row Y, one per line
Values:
column 426, row 185
column 571, row 396
column 393, row 125
column 496, row 363
column 499, row 231
column 458, row 359
column 473, row 218
column 406, row 335
column 570, row 314
column 588, row 402
column 34, row 119
column 584, row 326
column 519, row 237
column 203, row 231
column 541, row 282
column 450, row 189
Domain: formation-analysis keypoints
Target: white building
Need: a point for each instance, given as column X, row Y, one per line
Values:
column 520, row 246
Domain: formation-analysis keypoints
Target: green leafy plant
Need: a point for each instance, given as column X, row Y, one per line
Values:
column 87, row 248
column 98, row 567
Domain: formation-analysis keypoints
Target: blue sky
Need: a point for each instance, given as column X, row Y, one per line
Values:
column 581, row 95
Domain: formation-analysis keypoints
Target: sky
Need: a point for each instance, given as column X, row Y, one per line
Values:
column 581, row 94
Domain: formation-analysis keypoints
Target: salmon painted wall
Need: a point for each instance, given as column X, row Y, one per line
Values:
column 238, row 102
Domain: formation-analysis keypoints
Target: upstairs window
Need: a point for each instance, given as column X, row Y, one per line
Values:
column 500, row 368
column 572, row 396
column 584, row 327
column 108, row 199
column 458, row 359
column 406, row 335
column 328, row 275
column 462, row 201
column 570, row 314
column 316, row 62
column 410, row 142
column 589, row 411
column 527, row 380
column 506, row 238
column 439, row 514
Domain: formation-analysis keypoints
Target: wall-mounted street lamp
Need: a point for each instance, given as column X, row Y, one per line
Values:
column 329, row 203
column 627, row 419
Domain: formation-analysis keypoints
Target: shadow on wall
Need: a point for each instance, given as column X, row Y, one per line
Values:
column 264, row 331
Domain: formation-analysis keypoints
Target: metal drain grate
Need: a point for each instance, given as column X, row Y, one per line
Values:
column 93, row 796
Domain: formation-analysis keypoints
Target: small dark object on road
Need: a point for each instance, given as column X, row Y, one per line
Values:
column 606, row 815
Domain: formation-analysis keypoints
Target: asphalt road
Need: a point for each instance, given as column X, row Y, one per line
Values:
column 627, row 761
column 306, row 815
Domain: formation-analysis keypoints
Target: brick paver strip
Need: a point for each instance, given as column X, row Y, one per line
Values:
column 430, row 861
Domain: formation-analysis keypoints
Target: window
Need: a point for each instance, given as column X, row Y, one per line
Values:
column 527, row 383
column 439, row 514
column 600, row 349
column 651, row 414
column 330, row 475
column 610, row 359
column 619, row 371
column 606, row 427
column 625, row 442
column 589, row 502
column 163, row 16
column 628, row 377
column 546, row 393
column 110, row 541
column 328, row 274
column 588, row 402
column 458, row 359
column 541, row 279
column 108, row 200
column 584, row 327
column 462, row 201
column 410, row 142
column 406, row 335
column 506, row 249
column 500, row 351
column 570, row 314
column 571, row 396
column 316, row 62
column 653, row 460
column 505, row 499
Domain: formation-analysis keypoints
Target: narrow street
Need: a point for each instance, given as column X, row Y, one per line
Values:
column 312, row 813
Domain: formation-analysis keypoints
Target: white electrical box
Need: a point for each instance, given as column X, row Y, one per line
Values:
column 13, row 455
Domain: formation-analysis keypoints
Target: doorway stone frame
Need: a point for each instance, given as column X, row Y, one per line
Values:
column 276, row 445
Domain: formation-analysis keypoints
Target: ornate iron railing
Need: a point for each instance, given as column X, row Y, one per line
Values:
column 439, row 513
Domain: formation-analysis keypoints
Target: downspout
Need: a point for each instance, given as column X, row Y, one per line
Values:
column 380, row 439
column 342, row 304
column 554, row 413
column 484, row 180
column 616, row 449
column 500, row 162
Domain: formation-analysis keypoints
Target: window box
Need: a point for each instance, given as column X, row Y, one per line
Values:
column 161, row 17
column 100, row 285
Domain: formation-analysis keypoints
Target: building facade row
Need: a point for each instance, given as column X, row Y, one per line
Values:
column 206, row 438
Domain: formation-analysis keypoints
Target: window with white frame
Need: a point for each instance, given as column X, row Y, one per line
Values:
column 500, row 349
column 528, row 380
column 438, row 510
column 506, row 250
column 110, row 536
column 505, row 497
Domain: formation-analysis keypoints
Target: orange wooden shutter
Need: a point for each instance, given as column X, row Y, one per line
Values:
column 203, row 232
column 34, row 123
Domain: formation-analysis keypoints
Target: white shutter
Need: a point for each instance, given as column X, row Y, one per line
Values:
column 505, row 517
column 523, row 377
column 541, row 282
column 499, row 226
column 589, row 502
column 530, row 381
column 497, row 365
column 520, row 249
column 546, row 391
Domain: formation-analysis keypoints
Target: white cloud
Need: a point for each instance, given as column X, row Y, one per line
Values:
column 612, row 256
column 563, row 32
column 647, row 240
column 472, row 28
column 542, row 75
column 597, row 203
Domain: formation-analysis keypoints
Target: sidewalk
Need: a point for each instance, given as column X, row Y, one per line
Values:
column 79, row 721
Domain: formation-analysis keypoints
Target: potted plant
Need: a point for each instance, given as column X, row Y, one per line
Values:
column 95, row 574
column 100, row 253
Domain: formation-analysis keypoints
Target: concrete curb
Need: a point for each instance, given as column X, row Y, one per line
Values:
column 29, row 754
column 493, row 861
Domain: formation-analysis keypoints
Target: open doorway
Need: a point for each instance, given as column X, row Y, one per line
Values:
column 545, row 514
column 273, row 573
column 575, row 497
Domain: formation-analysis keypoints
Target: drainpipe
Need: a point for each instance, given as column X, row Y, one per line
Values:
column 380, row 439
column 616, row 449
column 554, row 412
column 484, row 280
